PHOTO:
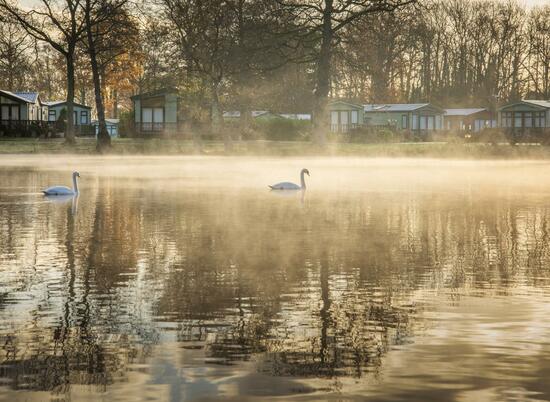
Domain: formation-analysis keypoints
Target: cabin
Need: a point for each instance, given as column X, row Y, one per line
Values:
column 405, row 116
column 22, row 113
column 297, row 116
column 345, row 116
column 22, row 106
column 525, row 115
column 156, row 112
column 469, row 119
column 82, row 116
column 112, row 127
column 255, row 114
column 266, row 114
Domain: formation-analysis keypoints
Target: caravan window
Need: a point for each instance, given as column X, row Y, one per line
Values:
column 528, row 119
column 517, row 119
column 344, row 117
column 431, row 122
column 334, row 118
column 147, row 115
column 158, row 115
column 506, row 119
column 542, row 119
column 5, row 113
column 423, row 122
column 354, row 117
column 15, row 113
column 153, row 115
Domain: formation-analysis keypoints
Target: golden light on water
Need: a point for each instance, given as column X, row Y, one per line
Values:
column 185, row 277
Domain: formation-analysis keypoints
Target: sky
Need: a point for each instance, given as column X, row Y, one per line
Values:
column 535, row 2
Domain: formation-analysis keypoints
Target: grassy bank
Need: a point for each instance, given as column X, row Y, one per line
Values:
column 281, row 148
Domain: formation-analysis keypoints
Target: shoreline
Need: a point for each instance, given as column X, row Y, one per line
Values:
column 168, row 147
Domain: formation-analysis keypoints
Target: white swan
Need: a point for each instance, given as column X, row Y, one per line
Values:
column 63, row 190
column 291, row 186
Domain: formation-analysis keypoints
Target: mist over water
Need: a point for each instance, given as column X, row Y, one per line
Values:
column 186, row 279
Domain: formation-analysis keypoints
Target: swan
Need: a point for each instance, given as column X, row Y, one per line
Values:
column 62, row 190
column 291, row 186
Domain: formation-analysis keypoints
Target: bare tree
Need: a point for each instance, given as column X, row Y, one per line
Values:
column 59, row 23
column 15, row 47
column 204, row 39
column 539, row 51
column 323, row 20
column 103, row 137
column 455, row 53
column 371, row 72
column 102, row 20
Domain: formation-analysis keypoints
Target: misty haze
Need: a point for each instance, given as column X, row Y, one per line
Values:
column 274, row 200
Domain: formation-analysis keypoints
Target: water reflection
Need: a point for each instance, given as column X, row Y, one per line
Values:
column 236, row 287
column 64, row 199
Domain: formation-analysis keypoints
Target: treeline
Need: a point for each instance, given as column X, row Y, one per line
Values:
column 280, row 55
column 455, row 53
column 84, row 40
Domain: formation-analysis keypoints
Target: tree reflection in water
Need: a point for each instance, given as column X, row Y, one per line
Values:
column 320, row 290
column 74, row 333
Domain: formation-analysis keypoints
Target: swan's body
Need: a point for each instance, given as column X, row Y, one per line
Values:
column 63, row 190
column 59, row 198
column 285, row 185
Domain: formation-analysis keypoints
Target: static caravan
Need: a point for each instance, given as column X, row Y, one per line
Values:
column 345, row 116
column 469, row 119
column 82, row 114
column 525, row 115
column 405, row 116
column 297, row 116
column 255, row 114
column 22, row 114
column 22, row 106
column 156, row 112
column 112, row 127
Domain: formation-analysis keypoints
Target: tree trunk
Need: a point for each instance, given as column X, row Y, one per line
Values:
column 243, row 77
column 217, row 118
column 69, row 130
column 103, row 137
column 115, row 104
column 244, row 121
column 322, row 88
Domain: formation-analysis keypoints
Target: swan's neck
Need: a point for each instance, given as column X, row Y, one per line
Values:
column 302, row 180
column 75, row 185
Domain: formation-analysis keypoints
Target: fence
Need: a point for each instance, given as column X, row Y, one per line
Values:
column 155, row 129
column 39, row 128
column 24, row 128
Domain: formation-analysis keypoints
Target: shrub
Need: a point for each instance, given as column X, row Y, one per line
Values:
column 274, row 129
column 368, row 134
column 489, row 135
column 61, row 122
column 450, row 136
column 126, row 123
column 281, row 129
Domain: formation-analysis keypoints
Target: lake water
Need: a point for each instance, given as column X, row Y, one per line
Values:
column 185, row 279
